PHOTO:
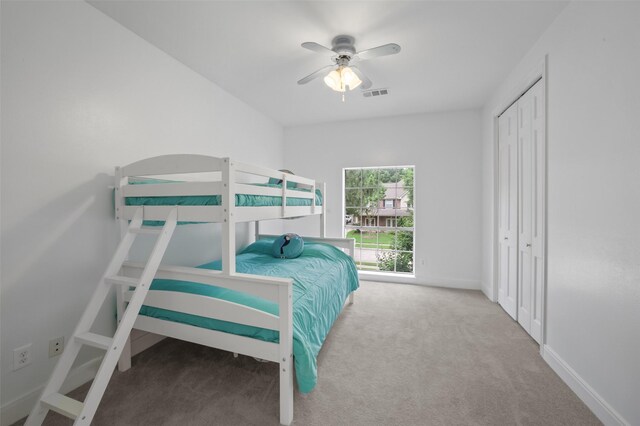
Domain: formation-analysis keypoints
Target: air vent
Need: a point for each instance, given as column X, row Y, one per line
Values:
column 375, row 92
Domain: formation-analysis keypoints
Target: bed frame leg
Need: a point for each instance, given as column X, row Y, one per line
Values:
column 286, row 392
column 124, row 363
column 235, row 354
column 351, row 297
column 285, row 299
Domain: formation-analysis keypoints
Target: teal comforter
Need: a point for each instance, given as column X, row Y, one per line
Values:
column 242, row 200
column 323, row 276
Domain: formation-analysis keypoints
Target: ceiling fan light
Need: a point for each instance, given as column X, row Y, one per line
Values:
column 334, row 81
column 350, row 78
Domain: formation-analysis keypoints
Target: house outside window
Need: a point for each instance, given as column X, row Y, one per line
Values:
column 379, row 211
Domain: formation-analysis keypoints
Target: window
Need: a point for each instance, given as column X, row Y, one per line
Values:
column 379, row 211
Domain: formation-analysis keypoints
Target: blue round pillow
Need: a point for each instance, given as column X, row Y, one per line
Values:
column 287, row 246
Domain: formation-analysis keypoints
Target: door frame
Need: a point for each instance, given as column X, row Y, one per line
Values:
column 538, row 74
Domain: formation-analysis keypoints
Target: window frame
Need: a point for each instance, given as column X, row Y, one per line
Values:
column 364, row 223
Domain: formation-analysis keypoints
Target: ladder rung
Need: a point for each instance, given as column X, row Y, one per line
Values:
column 63, row 404
column 147, row 230
column 95, row 340
column 120, row 280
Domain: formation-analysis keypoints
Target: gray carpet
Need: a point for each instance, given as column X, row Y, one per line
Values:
column 401, row 355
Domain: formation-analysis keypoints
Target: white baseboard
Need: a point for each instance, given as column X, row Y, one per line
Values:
column 452, row 283
column 20, row 407
column 387, row 277
column 586, row 393
column 488, row 291
column 412, row 279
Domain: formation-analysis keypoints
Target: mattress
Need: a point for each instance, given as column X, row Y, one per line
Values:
column 242, row 200
column 323, row 277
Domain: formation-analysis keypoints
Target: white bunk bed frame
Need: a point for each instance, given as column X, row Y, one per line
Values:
column 124, row 276
column 278, row 290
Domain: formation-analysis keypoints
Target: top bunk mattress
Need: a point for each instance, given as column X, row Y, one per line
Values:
column 242, row 200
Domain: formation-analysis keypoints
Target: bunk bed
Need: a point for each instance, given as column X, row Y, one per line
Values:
column 249, row 303
column 240, row 315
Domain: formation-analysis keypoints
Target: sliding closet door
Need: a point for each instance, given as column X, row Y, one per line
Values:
column 508, row 210
column 538, row 170
column 521, row 198
column 525, row 190
column 531, row 173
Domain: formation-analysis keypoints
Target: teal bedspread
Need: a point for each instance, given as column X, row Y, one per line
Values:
column 323, row 276
column 242, row 200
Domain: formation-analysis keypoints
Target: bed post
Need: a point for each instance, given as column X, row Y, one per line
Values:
column 323, row 215
column 229, row 225
column 286, row 353
column 124, row 363
column 352, row 253
column 257, row 230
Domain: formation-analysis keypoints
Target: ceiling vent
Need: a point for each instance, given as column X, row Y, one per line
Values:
column 375, row 92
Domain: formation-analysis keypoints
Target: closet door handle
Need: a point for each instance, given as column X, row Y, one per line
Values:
column 528, row 245
column 506, row 238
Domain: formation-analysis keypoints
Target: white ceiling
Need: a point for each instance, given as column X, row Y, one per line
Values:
column 453, row 53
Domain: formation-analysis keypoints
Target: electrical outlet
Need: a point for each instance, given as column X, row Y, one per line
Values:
column 56, row 346
column 21, row 357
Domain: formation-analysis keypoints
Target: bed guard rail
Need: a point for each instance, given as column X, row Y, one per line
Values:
column 227, row 185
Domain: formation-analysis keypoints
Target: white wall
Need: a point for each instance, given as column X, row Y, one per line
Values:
column 446, row 150
column 80, row 95
column 593, row 314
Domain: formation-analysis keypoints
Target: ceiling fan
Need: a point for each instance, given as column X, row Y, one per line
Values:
column 343, row 74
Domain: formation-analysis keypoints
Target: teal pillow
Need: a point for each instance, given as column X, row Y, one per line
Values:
column 287, row 246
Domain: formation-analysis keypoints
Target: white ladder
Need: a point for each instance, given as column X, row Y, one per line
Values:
column 83, row 412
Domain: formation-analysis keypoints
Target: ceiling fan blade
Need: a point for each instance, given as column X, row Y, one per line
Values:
column 384, row 50
column 366, row 83
column 311, row 45
column 315, row 74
